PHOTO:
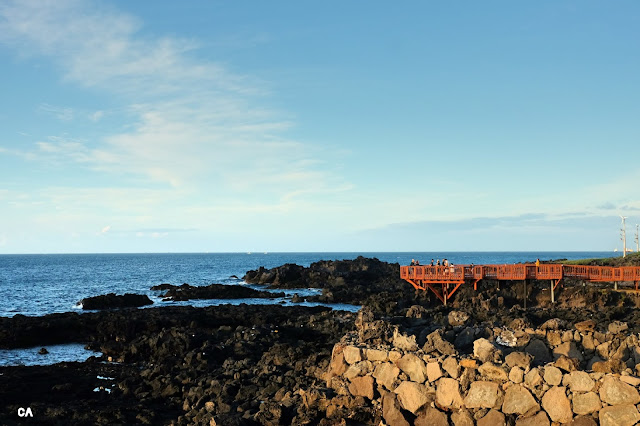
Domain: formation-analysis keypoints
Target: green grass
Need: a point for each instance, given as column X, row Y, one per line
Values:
column 632, row 259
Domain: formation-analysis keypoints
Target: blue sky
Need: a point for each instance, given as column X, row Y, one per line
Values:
column 328, row 126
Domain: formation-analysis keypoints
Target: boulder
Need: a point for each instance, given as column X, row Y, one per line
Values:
column 412, row 396
column 451, row 366
column 457, row 318
column 533, row 378
column 553, row 324
column 465, row 338
column 462, row 418
column 436, row 342
column 616, row 327
column 516, row 375
column 352, row 354
column 540, row 419
column 432, row 417
column 519, row 359
column 586, row 403
column 568, row 349
column 404, row 342
column 386, row 374
column 484, row 350
column 583, row 421
column 557, row 405
column 414, row 367
column 552, row 375
column 578, row 381
column 518, row 400
column 482, row 394
column 539, row 351
column 376, row 355
column 615, row 392
column 391, row 411
column 111, row 301
column 619, row 415
column 492, row 372
column 585, row 326
column 433, row 371
column 358, row 369
column 448, row 393
column 492, row 418
column 362, row 386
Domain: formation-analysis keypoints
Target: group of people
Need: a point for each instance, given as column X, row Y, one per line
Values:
column 445, row 263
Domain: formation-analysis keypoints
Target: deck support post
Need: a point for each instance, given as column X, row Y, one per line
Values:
column 525, row 294
column 553, row 297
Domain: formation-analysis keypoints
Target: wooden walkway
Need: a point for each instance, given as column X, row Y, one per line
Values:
column 443, row 281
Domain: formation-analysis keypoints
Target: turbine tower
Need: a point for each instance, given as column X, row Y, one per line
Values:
column 624, row 237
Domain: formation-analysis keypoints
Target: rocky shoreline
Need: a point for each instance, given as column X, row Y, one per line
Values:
column 403, row 359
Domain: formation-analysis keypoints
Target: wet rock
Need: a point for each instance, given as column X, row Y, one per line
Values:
column 111, row 301
column 43, row 351
column 518, row 400
column 482, row 394
column 557, row 405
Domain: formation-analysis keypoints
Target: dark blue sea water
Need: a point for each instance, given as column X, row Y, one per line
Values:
column 43, row 284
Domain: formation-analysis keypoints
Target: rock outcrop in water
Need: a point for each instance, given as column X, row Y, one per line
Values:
column 112, row 301
column 214, row 291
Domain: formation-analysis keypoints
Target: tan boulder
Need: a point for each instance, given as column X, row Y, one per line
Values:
column 404, row 342
column 433, row 371
column 469, row 363
column 552, row 375
column 578, row 381
column 518, row 400
column 615, row 392
column 482, row 394
column 376, row 355
column 391, row 412
column 492, row 418
column 412, row 396
column 431, row 417
column 519, row 359
column 586, row 403
column 616, row 327
column 448, row 393
column 585, row 326
column 539, row 351
column 386, row 374
column 414, row 367
column 457, row 318
column 566, row 364
column 352, row 354
column 533, row 378
column 451, row 366
column 358, row 369
column 583, row 421
column 492, row 372
column 619, row 415
column 362, row 386
column 568, row 349
column 557, row 405
column 484, row 350
column 516, row 375
column 462, row 418
column 540, row 419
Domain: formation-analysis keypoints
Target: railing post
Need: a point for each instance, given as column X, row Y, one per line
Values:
column 615, row 285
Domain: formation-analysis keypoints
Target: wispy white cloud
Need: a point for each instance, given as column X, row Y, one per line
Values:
column 61, row 113
column 188, row 121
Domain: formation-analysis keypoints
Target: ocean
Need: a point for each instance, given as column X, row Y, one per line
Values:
column 37, row 285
